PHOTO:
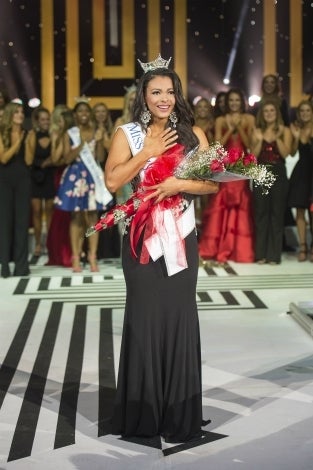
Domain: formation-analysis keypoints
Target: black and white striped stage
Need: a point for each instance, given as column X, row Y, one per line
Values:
column 59, row 347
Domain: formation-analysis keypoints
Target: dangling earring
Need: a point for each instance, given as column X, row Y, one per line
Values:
column 174, row 119
column 145, row 117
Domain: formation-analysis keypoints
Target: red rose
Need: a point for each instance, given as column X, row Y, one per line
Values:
column 234, row 154
column 216, row 166
column 249, row 159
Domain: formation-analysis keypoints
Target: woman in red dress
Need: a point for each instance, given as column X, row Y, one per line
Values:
column 58, row 239
column 227, row 225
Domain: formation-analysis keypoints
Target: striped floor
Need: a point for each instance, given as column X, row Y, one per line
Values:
column 59, row 346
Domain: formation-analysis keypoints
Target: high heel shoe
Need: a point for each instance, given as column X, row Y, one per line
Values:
column 76, row 267
column 94, row 268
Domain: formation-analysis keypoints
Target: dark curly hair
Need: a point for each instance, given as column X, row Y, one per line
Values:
column 182, row 108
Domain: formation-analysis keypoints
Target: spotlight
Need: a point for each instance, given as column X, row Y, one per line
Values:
column 253, row 99
column 196, row 99
column 17, row 100
column 233, row 52
column 34, row 102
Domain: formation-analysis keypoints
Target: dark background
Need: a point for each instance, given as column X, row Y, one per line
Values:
column 212, row 27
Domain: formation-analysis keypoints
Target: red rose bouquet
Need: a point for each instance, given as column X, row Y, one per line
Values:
column 212, row 163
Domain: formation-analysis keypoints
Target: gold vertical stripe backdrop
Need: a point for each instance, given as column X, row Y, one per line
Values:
column 100, row 69
column 180, row 48
column 154, row 29
column 296, row 77
column 47, row 54
column 269, row 35
column 180, row 41
column 72, row 51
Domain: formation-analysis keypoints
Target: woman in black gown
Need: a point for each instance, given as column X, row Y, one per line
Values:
column 300, row 186
column 159, row 379
column 15, row 191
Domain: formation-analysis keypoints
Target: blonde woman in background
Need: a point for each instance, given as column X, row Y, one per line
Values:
column 58, row 239
column 102, row 118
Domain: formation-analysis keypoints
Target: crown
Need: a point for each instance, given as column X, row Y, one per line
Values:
column 82, row 99
column 158, row 63
column 130, row 89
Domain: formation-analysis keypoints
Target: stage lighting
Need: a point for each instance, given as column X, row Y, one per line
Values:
column 196, row 99
column 17, row 100
column 233, row 52
column 253, row 99
column 34, row 102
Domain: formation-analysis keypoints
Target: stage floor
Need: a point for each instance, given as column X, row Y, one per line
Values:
column 257, row 364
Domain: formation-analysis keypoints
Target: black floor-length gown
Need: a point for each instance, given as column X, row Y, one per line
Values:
column 159, row 379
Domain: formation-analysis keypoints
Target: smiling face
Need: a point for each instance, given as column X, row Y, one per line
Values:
column 305, row 113
column 202, row 109
column 269, row 85
column 234, row 103
column 43, row 120
column 269, row 113
column 100, row 112
column 18, row 116
column 82, row 114
column 160, row 97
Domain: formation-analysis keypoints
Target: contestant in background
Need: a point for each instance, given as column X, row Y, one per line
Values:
column 42, row 176
column 58, row 236
column 300, row 183
column 82, row 191
column 109, row 240
column 227, row 230
column 271, row 144
column 15, row 191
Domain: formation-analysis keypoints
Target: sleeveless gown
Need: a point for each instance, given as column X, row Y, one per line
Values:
column 300, row 183
column 227, row 230
column 159, row 377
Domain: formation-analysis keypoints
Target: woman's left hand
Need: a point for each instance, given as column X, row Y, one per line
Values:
column 169, row 187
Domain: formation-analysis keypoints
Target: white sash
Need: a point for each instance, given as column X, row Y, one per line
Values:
column 159, row 245
column 135, row 136
column 102, row 194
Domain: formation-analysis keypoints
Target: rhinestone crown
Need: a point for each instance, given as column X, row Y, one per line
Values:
column 158, row 63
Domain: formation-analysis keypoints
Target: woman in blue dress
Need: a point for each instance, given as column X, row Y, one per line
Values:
column 82, row 191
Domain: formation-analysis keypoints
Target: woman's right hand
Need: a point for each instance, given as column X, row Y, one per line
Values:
column 156, row 144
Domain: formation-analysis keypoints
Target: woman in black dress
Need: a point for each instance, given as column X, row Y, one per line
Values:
column 159, row 379
column 270, row 143
column 300, row 186
column 42, row 174
column 15, row 190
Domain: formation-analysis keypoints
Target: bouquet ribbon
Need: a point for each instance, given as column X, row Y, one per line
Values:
column 164, row 225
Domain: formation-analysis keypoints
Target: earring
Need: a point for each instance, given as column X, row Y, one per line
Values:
column 145, row 117
column 173, row 118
